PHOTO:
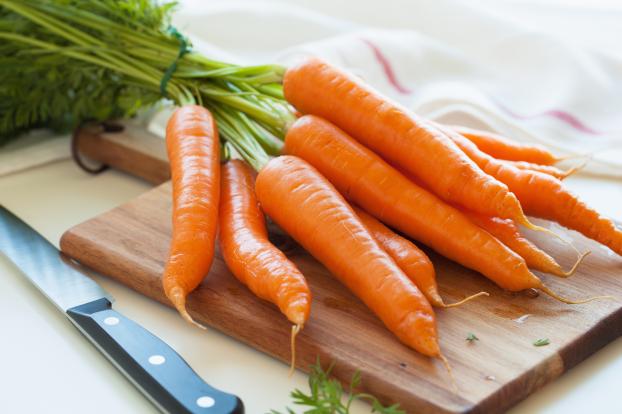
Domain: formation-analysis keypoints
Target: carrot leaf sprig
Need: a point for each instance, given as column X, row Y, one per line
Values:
column 65, row 62
column 327, row 395
column 541, row 342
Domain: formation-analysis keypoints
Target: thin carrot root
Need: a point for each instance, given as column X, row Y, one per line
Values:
column 573, row 170
column 178, row 298
column 554, row 295
column 450, row 372
column 575, row 266
column 435, row 299
column 292, row 366
column 525, row 222
column 587, row 157
column 465, row 300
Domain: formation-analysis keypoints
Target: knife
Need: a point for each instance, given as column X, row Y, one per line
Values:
column 151, row 365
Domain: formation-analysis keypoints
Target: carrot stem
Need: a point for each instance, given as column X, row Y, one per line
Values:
column 130, row 51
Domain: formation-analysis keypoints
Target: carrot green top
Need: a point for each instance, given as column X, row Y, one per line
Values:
column 69, row 62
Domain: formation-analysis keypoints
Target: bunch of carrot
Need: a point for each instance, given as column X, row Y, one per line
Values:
column 356, row 166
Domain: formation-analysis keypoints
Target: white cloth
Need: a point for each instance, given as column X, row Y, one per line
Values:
column 536, row 73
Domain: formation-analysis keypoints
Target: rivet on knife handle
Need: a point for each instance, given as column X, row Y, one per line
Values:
column 154, row 367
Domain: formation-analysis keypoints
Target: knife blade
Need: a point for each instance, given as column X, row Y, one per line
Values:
column 149, row 363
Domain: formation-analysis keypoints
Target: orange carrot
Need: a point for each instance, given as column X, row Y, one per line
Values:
column 399, row 136
column 250, row 256
column 413, row 262
column 508, row 233
column 545, row 197
column 367, row 180
column 505, row 149
column 193, row 152
column 308, row 208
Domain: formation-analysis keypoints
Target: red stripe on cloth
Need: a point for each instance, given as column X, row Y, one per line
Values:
column 558, row 114
column 387, row 68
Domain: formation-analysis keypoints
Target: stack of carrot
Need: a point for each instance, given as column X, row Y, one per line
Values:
column 358, row 167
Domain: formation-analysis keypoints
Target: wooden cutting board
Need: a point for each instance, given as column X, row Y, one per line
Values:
column 130, row 243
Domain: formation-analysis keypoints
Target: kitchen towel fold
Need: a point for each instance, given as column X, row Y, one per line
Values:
column 483, row 64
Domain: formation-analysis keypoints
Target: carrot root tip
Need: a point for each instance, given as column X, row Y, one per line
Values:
column 587, row 157
column 465, row 300
column 435, row 299
column 554, row 295
column 574, row 268
column 525, row 222
column 573, row 170
column 450, row 372
column 292, row 366
column 178, row 297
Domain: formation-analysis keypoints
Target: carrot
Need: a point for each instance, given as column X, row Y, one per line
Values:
column 308, row 208
column 250, row 256
column 399, row 136
column 545, row 169
column 194, row 155
column 505, row 149
column 413, row 262
column 545, row 197
column 248, row 253
column 367, row 180
column 508, row 233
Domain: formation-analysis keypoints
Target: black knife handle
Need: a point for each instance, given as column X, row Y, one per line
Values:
column 152, row 366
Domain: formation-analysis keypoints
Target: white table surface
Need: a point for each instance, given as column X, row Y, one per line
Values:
column 46, row 365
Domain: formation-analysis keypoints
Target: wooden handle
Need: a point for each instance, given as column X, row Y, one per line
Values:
column 129, row 148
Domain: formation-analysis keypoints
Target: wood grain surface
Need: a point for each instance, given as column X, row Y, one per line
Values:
column 131, row 148
column 130, row 244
